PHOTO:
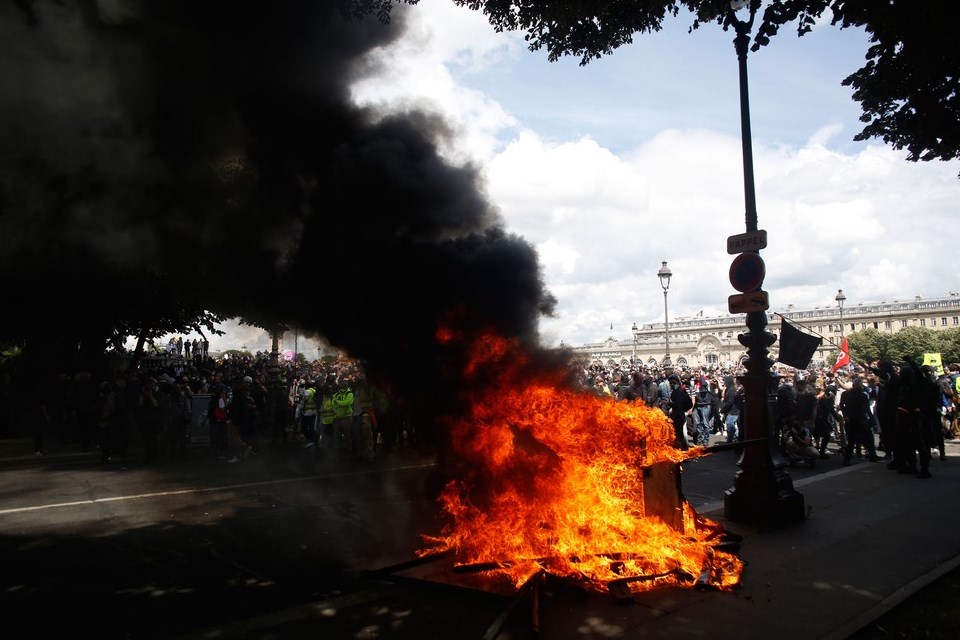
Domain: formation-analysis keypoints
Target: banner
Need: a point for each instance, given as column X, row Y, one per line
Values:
column 796, row 347
column 933, row 359
column 843, row 359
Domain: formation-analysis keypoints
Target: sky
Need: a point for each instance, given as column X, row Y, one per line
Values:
column 610, row 168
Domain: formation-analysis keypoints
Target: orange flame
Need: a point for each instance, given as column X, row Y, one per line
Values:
column 552, row 480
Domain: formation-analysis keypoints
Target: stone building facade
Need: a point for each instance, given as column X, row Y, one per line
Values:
column 712, row 341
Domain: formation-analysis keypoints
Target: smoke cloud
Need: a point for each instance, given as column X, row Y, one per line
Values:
column 214, row 143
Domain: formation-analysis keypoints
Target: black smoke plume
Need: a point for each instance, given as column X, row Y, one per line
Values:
column 209, row 150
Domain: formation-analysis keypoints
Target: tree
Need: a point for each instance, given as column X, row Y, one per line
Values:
column 912, row 343
column 869, row 345
column 948, row 345
column 907, row 89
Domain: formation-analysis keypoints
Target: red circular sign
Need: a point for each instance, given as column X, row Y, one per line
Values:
column 747, row 272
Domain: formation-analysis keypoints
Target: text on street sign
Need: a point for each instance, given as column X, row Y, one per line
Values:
column 749, row 241
column 748, row 302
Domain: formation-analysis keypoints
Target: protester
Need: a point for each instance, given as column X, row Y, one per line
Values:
column 797, row 443
column 343, row 417
column 911, row 444
column 854, row 404
column 730, row 408
column 828, row 421
column 680, row 407
column 705, row 406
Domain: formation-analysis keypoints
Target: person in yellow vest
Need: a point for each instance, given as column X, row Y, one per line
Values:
column 342, row 413
column 326, row 417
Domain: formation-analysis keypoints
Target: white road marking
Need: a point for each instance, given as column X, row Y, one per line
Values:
column 230, row 487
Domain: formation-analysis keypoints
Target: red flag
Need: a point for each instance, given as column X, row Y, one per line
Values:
column 844, row 358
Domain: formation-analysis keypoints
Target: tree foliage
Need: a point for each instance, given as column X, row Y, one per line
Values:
column 907, row 90
column 911, row 343
column 869, row 345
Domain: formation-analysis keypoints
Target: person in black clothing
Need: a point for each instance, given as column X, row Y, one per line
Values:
column 888, row 381
column 242, row 420
column 828, row 419
column 630, row 390
column 786, row 404
column 931, row 402
column 805, row 405
column 910, row 440
column 855, row 407
column 149, row 413
column 732, row 411
column 650, row 391
column 680, row 405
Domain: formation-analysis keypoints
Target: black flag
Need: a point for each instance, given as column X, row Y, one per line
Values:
column 796, row 347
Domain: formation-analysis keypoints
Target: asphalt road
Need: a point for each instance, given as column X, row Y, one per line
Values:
column 201, row 548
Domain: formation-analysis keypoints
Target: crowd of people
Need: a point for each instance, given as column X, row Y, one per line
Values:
column 903, row 411
column 329, row 408
column 233, row 406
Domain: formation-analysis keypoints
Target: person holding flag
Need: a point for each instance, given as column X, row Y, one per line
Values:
column 843, row 359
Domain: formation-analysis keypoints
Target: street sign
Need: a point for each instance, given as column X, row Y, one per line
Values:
column 748, row 302
column 747, row 272
column 749, row 241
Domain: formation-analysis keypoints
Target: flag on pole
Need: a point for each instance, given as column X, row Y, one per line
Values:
column 843, row 359
column 796, row 347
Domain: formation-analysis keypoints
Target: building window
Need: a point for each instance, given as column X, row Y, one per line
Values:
column 876, row 325
column 903, row 324
column 923, row 322
column 887, row 324
column 956, row 320
column 713, row 358
column 943, row 322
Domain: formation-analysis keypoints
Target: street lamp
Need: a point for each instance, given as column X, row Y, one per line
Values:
column 840, row 300
column 763, row 492
column 635, row 337
column 665, row 274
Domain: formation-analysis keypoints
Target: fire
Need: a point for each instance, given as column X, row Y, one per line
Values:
column 551, row 479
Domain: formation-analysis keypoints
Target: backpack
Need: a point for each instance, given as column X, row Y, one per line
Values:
column 687, row 402
column 704, row 399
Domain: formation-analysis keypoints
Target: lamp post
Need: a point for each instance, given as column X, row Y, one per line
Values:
column 274, row 385
column 763, row 492
column 634, row 329
column 665, row 274
column 840, row 300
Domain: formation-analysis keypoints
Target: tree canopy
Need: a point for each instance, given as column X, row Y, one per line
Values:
column 907, row 89
column 871, row 345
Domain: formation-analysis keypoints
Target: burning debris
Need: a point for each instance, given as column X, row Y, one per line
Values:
column 549, row 479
